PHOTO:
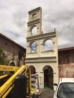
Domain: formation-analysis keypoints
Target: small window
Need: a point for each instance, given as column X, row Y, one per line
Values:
column 34, row 15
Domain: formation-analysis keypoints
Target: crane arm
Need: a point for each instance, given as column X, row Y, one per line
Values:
column 8, row 68
column 8, row 84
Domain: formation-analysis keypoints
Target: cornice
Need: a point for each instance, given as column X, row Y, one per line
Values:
column 41, row 36
column 32, row 22
column 41, row 58
column 40, row 61
column 35, row 9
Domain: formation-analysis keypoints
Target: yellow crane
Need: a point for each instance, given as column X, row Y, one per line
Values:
column 14, row 79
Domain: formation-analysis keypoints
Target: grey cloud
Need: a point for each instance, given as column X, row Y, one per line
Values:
column 63, row 21
column 66, row 45
column 57, row 14
column 3, row 7
column 12, row 32
column 20, row 18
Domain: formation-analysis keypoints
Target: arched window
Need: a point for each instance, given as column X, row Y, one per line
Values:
column 34, row 47
column 48, row 45
column 34, row 31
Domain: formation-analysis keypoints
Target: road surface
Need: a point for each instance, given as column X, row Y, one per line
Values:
column 46, row 94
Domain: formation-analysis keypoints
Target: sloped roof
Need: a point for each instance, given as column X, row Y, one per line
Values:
column 65, row 49
column 11, row 41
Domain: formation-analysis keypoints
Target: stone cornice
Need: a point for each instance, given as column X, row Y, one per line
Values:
column 35, row 58
column 41, row 60
column 32, row 22
column 41, row 36
column 47, row 51
column 35, row 10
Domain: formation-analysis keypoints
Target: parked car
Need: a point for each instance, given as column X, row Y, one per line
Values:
column 65, row 88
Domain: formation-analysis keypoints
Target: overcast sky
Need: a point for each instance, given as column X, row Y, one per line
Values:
column 57, row 14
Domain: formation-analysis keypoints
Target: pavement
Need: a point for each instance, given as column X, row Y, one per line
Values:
column 46, row 93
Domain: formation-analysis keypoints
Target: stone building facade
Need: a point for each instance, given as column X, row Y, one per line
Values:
column 15, row 53
column 43, row 62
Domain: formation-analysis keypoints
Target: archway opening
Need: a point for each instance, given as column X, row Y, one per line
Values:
column 48, row 45
column 34, row 31
column 12, row 64
column 33, row 70
column 33, row 47
column 48, row 77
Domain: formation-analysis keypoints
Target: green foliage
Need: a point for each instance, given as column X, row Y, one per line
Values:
column 3, row 56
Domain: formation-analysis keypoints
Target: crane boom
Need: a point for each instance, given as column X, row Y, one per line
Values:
column 6, row 88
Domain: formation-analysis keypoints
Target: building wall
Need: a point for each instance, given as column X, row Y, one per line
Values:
column 66, row 63
column 11, row 49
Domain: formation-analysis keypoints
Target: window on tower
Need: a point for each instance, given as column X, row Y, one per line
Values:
column 34, row 15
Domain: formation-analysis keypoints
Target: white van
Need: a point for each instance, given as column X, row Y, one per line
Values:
column 65, row 88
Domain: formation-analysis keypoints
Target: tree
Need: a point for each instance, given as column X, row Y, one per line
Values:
column 3, row 60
